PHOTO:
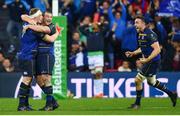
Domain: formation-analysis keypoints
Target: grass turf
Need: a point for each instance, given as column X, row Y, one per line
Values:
column 151, row 106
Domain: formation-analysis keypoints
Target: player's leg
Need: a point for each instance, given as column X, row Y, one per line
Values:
column 44, row 70
column 140, row 77
column 48, row 90
column 24, row 92
column 27, row 67
column 139, row 89
column 152, row 81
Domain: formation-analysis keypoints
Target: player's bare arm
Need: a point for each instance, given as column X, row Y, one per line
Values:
column 134, row 53
column 28, row 19
column 33, row 26
column 155, row 52
column 53, row 37
column 39, row 28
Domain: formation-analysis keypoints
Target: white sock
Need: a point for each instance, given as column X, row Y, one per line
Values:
column 98, row 86
column 95, row 87
column 101, row 87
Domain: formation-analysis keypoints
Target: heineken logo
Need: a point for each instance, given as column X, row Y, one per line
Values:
column 60, row 71
column 61, row 29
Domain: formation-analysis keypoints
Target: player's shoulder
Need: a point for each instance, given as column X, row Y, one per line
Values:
column 150, row 32
column 147, row 31
column 51, row 25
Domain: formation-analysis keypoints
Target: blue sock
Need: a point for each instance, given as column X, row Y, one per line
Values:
column 48, row 91
column 23, row 94
column 138, row 96
column 162, row 87
column 53, row 100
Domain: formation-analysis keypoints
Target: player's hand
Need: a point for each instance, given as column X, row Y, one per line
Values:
column 25, row 28
column 144, row 60
column 32, row 22
column 129, row 54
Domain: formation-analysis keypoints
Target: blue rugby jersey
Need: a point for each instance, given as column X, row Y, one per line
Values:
column 29, row 43
column 145, row 40
column 47, row 47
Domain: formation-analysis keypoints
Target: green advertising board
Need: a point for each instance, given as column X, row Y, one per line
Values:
column 59, row 76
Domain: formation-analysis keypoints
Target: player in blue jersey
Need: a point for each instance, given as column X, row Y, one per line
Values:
column 45, row 59
column 27, row 55
column 150, row 50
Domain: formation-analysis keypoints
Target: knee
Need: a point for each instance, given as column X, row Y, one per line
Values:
column 47, row 80
column 151, row 80
column 40, row 81
column 138, row 82
column 27, row 80
column 98, row 72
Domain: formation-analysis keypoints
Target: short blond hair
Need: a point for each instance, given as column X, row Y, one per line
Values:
column 33, row 11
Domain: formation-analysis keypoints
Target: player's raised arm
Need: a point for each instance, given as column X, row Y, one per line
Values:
column 33, row 25
column 28, row 19
column 39, row 28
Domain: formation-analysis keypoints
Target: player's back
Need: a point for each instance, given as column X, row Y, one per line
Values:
column 28, row 45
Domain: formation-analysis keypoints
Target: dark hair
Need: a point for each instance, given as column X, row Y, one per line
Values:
column 106, row 1
column 49, row 11
column 75, row 31
column 33, row 11
column 145, row 19
column 140, row 17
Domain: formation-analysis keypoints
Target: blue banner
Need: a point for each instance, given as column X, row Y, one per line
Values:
column 118, row 85
column 169, row 8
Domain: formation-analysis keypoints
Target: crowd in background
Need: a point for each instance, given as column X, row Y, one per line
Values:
column 115, row 18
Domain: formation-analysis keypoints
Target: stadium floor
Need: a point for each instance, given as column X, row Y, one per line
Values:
column 149, row 106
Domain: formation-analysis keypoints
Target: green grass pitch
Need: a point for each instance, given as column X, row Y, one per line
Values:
column 151, row 106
